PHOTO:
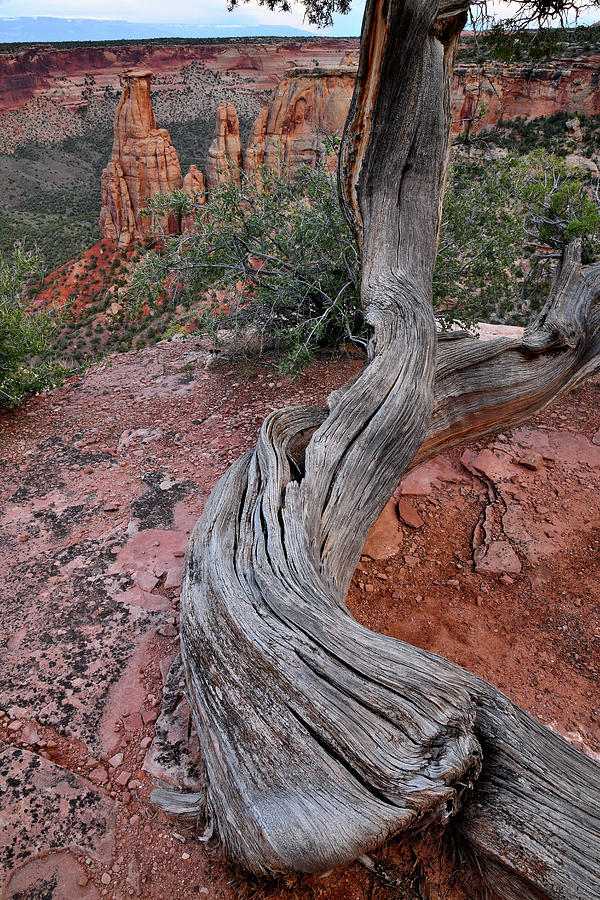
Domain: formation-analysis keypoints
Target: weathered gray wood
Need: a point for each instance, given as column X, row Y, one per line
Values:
column 319, row 738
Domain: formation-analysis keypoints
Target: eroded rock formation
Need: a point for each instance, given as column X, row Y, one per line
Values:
column 505, row 92
column 308, row 105
column 224, row 160
column 194, row 187
column 144, row 163
column 311, row 103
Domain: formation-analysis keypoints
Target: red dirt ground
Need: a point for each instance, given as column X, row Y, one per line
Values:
column 72, row 482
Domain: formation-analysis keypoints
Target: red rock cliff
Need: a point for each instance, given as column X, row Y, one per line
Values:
column 308, row 105
column 311, row 103
column 44, row 70
column 144, row 163
column 564, row 85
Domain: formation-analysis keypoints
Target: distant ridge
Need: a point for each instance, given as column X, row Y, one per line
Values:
column 50, row 29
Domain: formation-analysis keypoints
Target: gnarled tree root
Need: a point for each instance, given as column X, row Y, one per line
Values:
column 319, row 738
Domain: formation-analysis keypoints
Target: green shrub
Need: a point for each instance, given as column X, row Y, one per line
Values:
column 277, row 260
column 25, row 366
column 280, row 248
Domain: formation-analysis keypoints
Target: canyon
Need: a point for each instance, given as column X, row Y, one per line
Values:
column 73, row 88
column 58, row 106
column 308, row 105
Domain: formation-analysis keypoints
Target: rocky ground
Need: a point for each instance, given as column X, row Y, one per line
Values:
column 488, row 556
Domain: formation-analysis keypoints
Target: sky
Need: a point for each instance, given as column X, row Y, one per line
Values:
column 205, row 12
column 200, row 12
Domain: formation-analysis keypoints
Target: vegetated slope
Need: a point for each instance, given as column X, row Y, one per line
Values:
column 51, row 195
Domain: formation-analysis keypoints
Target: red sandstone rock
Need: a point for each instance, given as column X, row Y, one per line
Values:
column 194, row 187
column 255, row 150
column 61, row 870
column 38, row 71
column 57, row 79
column 99, row 775
column 224, row 160
column 420, row 481
column 496, row 467
column 569, row 85
column 144, row 164
column 497, row 558
column 408, row 514
column 531, row 461
column 350, row 58
column 385, row 538
column 307, row 105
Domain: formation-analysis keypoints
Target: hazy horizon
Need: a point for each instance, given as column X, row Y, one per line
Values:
column 181, row 15
column 55, row 29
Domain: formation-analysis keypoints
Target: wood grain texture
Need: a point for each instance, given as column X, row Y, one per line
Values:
column 319, row 738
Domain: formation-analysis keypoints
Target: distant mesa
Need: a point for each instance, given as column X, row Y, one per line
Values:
column 25, row 29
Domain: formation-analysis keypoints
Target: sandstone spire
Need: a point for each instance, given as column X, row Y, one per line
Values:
column 144, row 163
column 225, row 153
column 255, row 150
column 193, row 186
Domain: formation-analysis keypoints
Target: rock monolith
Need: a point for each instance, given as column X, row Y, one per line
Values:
column 308, row 106
column 224, row 161
column 143, row 164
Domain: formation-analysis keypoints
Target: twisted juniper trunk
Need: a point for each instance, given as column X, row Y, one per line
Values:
column 319, row 738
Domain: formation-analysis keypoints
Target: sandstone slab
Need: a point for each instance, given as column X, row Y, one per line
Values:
column 47, row 808
column 497, row 558
column 56, row 875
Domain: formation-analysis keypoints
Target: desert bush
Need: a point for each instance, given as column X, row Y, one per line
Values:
column 504, row 225
column 25, row 366
column 274, row 257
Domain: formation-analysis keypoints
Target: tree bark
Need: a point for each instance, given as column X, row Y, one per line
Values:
column 319, row 738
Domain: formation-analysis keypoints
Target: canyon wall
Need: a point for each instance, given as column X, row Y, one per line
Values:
column 41, row 87
column 564, row 85
column 74, row 74
column 311, row 103
column 144, row 164
column 308, row 105
column 71, row 76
